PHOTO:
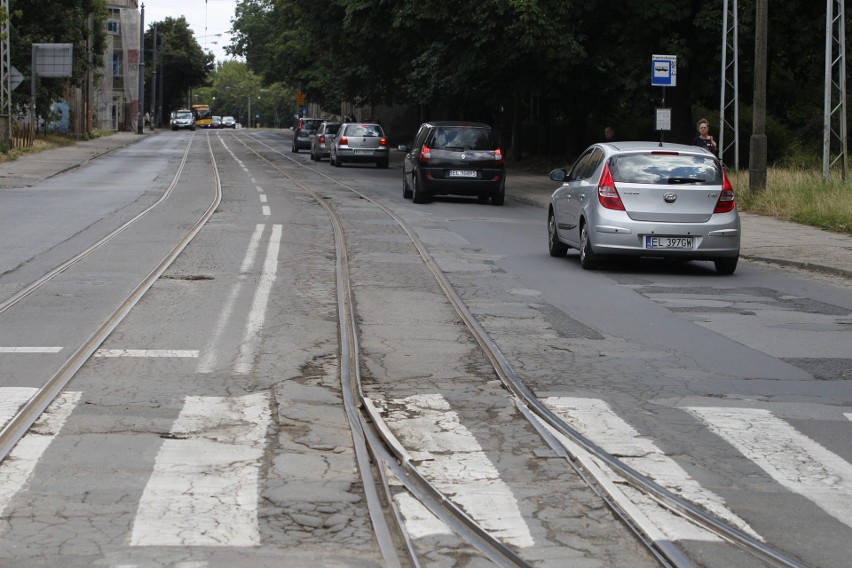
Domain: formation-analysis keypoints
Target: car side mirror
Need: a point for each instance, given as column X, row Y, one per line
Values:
column 559, row 174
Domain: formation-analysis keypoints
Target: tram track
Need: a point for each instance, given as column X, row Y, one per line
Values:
column 584, row 456
column 27, row 414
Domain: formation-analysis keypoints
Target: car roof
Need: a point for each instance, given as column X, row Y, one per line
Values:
column 649, row 146
column 445, row 123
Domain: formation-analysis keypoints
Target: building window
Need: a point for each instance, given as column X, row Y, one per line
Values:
column 116, row 64
column 113, row 27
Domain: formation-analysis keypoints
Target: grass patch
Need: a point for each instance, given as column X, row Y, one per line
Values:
column 798, row 195
column 44, row 142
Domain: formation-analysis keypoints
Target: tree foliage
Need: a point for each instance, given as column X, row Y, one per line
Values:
column 549, row 73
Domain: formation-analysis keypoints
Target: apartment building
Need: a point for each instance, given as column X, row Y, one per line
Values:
column 116, row 93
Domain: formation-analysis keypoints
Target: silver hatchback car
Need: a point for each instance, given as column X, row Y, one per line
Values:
column 645, row 199
column 360, row 142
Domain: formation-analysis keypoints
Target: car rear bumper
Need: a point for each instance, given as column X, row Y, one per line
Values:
column 348, row 155
column 436, row 182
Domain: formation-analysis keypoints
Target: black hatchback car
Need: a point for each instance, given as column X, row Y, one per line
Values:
column 302, row 132
column 454, row 158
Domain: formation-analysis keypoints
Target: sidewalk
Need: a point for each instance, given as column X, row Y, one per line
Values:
column 764, row 238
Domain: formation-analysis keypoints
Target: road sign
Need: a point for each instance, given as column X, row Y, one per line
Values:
column 663, row 70
column 15, row 78
column 300, row 98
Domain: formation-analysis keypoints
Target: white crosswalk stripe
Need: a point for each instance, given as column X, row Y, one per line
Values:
column 208, row 472
column 792, row 459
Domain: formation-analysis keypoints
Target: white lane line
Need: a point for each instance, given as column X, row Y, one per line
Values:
column 257, row 313
column 419, row 521
column 848, row 415
column 454, row 461
column 596, row 420
column 259, row 189
column 792, row 459
column 18, row 467
column 263, row 198
column 30, row 349
column 208, row 361
column 178, row 353
column 204, row 487
column 266, row 211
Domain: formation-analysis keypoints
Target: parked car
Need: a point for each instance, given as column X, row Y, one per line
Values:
column 217, row 122
column 183, row 119
column 360, row 142
column 321, row 140
column 229, row 122
column 302, row 133
column 454, row 158
column 645, row 199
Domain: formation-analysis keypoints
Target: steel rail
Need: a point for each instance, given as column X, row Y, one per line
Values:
column 18, row 426
column 370, row 432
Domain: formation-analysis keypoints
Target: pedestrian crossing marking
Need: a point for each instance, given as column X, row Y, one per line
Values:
column 207, row 473
column 792, row 459
column 30, row 349
column 154, row 353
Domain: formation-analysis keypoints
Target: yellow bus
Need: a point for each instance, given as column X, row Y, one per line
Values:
column 203, row 116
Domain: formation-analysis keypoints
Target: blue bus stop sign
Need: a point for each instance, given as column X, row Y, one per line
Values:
column 663, row 70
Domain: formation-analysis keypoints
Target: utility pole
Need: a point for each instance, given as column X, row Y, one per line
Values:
column 835, row 83
column 757, row 153
column 730, row 80
column 154, row 79
column 5, row 80
column 140, row 115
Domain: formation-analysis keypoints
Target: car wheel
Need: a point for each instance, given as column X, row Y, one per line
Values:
column 417, row 193
column 499, row 197
column 331, row 159
column 554, row 245
column 588, row 259
column 294, row 149
column 726, row 265
column 406, row 191
column 337, row 161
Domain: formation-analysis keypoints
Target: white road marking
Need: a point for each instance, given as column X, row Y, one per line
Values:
column 208, row 362
column 19, row 465
column 792, row 459
column 178, row 353
column 30, row 349
column 596, row 420
column 455, row 462
column 266, row 211
column 257, row 313
column 206, row 474
column 263, row 198
column 419, row 521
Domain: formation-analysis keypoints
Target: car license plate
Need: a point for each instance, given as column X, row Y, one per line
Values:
column 668, row 242
column 462, row 173
column 367, row 152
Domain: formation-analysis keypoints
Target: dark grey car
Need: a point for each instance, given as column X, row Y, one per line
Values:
column 302, row 133
column 454, row 158
column 360, row 142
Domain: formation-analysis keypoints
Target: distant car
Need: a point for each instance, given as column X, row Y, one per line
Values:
column 229, row 122
column 217, row 122
column 183, row 120
column 645, row 199
column 302, row 133
column 360, row 142
column 321, row 140
column 454, row 158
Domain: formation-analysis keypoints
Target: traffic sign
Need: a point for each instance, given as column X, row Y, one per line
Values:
column 15, row 78
column 663, row 70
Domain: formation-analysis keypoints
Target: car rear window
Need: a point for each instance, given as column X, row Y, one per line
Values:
column 662, row 168
column 462, row 138
column 332, row 128
column 368, row 130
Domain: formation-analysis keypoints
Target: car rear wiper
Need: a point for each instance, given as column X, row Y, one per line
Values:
column 686, row 180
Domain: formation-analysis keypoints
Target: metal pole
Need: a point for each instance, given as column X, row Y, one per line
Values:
column 248, row 111
column 826, row 96
column 841, row 41
column 154, row 79
column 140, row 124
column 757, row 153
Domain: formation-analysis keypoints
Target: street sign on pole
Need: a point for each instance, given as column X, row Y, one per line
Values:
column 664, row 70
column 15, row 78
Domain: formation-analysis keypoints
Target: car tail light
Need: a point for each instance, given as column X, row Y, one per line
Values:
column 383, row 141
column 425, row 154
column 344, row 141
column 321, row 139
column 726, row 201
column 607, row 194
column 498, row 156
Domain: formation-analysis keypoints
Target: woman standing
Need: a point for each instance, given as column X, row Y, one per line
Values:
column 704, row 139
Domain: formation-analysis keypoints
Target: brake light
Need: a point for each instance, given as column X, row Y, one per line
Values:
column 321, row 139
column 383, row 141
column 425, row 154
column 726, row 200
column 607, row 194
column 344, row 141
column 498, row 156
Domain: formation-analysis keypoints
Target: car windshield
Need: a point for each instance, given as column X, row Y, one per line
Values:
column 183, row 115
column 368, row 130
column 665, row 168
column 332, row 128
column 464, row 138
